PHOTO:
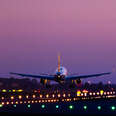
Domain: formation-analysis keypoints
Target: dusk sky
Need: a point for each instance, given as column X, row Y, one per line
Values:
column 32, row 32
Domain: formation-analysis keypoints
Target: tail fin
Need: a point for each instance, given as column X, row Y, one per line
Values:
column 58, row 62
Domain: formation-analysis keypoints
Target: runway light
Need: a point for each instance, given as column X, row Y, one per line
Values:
column 13, row 90
column 85, row 107
column 34, row 96
column 99, row 107
column 47, row 95
column 4, row 90
column 57, row 106
column 53, row 95
column 64, row 95
column 1, row 105
column 71, row 107
column 68, row 95
column 15, row 106
column 29, row 106
column 27, row 96
column 9, row 91
column 101, row 92
column 113, row 108
column 12, row 97
column 78, row 93
column 2, row 98
column 40, row 96
column 20, row 97
column 58, row 95
column 20, row 90
column 43, row 106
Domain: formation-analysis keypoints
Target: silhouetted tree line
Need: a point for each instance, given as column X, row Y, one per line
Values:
column 28, row 84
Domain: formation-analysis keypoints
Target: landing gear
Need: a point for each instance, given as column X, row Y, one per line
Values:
column 72, row 86
column 48, row 86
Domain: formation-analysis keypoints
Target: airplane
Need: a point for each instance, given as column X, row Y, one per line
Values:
column 60, row 76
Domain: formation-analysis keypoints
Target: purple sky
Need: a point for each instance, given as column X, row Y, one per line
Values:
column 32, row 32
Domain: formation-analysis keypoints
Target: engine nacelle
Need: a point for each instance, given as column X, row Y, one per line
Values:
column 78, row 82
column 43, row 81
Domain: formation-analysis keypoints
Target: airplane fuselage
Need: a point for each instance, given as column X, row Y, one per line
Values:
column 60, row 74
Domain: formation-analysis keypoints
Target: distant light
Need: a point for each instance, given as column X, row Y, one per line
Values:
column 1, row 105
column 20, row 90
column 71, row 107
column 99, row 107
column 40, row 96
column 85, row 91
column 34, row 96
column 16, row 102
column 14, row 90
column 78, row 93
column 9, row 91
column 101, row 92
column 29, row 106
column 113, row 107
column 68, row 95
column 43, row 106
column 4, row 90
column 2, row 98
column 58, row 95
column 47, row 95
column 7, row 103
column 85, row 107
column 53, row 95
column 27, row 96
column 20, row 97
column 12, row 97
column 64, row 95
column 57, row 106
column 109, row 82
column 15, row 106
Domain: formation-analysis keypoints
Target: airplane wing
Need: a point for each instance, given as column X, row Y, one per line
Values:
column 49, row 77
column 74, row 77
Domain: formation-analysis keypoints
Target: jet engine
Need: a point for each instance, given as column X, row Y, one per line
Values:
column 78, row 82
column 43, row 81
